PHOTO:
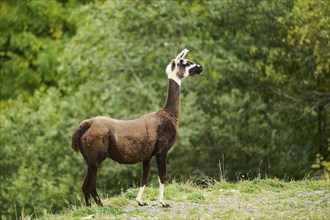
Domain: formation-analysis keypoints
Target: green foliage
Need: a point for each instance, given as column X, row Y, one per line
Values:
column 32, row 36
column 261, row 106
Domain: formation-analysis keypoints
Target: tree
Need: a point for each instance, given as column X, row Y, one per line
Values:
column 32, row 35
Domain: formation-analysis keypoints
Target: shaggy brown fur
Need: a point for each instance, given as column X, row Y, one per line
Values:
column 129, row 141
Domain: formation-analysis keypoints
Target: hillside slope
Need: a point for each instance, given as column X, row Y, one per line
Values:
column 257, row 199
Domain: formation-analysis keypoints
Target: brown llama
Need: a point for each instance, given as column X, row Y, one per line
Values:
column 133, row 141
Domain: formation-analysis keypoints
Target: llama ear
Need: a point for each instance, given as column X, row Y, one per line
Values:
column 181, row 55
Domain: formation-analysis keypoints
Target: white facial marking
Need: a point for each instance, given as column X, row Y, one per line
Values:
column 139, row 196
column 161, row 192
column 179, row 68
column 173, row 74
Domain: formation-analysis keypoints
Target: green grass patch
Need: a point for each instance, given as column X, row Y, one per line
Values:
column 256, row 199
column 196, row 197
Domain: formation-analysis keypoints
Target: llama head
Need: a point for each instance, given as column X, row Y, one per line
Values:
column 179, row 68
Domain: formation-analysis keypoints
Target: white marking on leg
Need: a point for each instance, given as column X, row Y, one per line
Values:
column 161, row 193
column 139, row 196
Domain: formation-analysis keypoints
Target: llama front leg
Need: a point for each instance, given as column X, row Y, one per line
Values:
column 144, row 180
column 161, row 163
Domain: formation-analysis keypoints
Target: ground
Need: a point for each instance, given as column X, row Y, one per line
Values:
column 256, row 199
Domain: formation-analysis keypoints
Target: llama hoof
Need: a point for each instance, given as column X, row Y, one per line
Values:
column 165, row 205
column 142, row 204
column 98, row 202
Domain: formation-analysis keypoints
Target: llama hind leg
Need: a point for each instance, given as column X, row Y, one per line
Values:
column 87, row 185
column 93, row 189
column 144, row 180
column 161, row 163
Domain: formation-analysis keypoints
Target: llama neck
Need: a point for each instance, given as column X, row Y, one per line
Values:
column 172, row 104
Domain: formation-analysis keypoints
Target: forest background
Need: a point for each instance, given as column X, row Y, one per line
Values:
column 260, row 109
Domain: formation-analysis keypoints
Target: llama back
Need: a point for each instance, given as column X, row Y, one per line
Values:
column 78, row 132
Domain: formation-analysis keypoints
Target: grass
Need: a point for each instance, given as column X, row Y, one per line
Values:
column 255, row 199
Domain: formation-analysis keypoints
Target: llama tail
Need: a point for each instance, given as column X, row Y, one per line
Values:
column 78, row 132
